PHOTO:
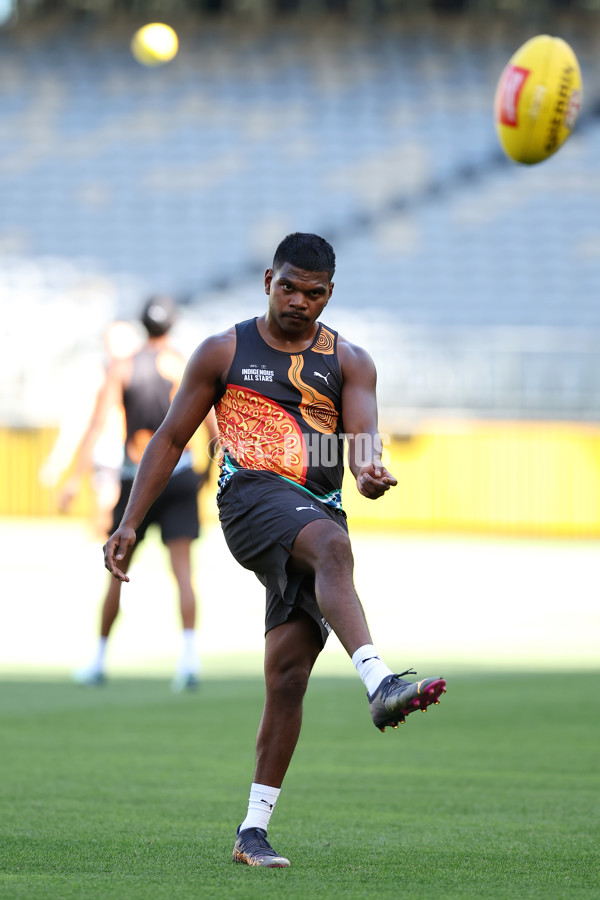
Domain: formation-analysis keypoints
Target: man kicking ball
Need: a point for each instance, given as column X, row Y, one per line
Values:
column 286, row 388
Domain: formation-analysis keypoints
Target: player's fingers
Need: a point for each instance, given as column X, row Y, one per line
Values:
column 116, row 572
column 122, row 549
column 363, row 483
column 384, row 479
column 368, row 486
column 111, row 549
column 120, row 576
column 374, row 488
column 379, row 489
column 116, row 549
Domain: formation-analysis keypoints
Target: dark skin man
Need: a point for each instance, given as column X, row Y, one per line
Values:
column 321, row 548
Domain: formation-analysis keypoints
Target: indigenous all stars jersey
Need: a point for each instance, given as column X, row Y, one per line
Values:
column 281, row 412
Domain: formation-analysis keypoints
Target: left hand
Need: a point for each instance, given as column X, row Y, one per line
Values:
column 374, row 480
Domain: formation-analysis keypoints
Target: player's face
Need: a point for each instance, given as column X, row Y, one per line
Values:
column 296, row 297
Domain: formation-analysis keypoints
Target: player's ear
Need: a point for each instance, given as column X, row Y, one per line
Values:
column 331, row 283
column 268, row 280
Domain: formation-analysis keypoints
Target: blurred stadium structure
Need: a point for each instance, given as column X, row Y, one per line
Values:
column 472, row 281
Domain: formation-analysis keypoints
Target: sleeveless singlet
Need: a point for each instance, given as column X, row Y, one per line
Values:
column 146, row 401
column 282, row 413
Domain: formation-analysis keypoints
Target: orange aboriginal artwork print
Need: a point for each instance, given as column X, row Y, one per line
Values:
column 316, row 409
column 282, row 413
column 325, row 342
column 260, row 434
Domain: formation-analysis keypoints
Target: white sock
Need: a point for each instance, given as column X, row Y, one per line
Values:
column 99, row 659
column 189, row 663
column 370, row 667
column 260, row 806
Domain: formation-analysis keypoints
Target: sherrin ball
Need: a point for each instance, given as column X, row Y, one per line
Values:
column 154, row 44
column 538, row 99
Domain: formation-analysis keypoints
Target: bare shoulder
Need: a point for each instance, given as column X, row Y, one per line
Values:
column 223, row 338
column 171, row 364
column 353, row 359
column 215, row 354
column 219, row 345
column 119, row 370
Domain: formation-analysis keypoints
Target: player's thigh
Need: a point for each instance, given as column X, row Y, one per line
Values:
column 319, row 543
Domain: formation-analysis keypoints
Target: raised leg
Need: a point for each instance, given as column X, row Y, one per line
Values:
column 322, row 547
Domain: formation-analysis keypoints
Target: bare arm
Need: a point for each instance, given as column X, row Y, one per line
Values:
column 109, row 395
column 359, row 412
column 189, row 408
column 210, row 423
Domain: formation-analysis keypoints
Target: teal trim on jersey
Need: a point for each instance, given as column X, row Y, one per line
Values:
column 333, row 498
column 228, row 470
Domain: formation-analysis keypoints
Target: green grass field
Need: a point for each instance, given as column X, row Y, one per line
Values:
column 130, row 791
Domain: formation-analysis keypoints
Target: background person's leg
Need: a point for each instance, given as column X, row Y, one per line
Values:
column 188, row 665
column 94, row 673
column 179, row 552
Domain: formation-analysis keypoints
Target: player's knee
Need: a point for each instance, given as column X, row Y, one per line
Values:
column 288, row 683
column 335, row 549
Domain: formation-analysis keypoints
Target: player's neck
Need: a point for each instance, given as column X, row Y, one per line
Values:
column 157, row 343
column 288, row 342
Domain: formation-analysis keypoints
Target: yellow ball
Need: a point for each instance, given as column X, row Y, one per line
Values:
column 538, row 99
column 154, row 44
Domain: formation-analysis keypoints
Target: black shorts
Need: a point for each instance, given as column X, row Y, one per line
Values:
column 261, row 515
column 175, row 510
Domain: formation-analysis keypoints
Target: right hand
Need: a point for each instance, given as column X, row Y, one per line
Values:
column 115, row 549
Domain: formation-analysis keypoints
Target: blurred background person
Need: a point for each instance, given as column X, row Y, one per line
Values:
column 144, row 384
column 121, row 339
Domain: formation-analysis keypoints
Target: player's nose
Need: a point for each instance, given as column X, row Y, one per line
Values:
column 297, row 300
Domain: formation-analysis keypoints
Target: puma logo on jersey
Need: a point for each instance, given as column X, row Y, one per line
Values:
column 324, row 377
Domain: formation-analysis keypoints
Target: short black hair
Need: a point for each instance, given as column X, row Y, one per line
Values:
column 305, row 251
column 158, row 315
